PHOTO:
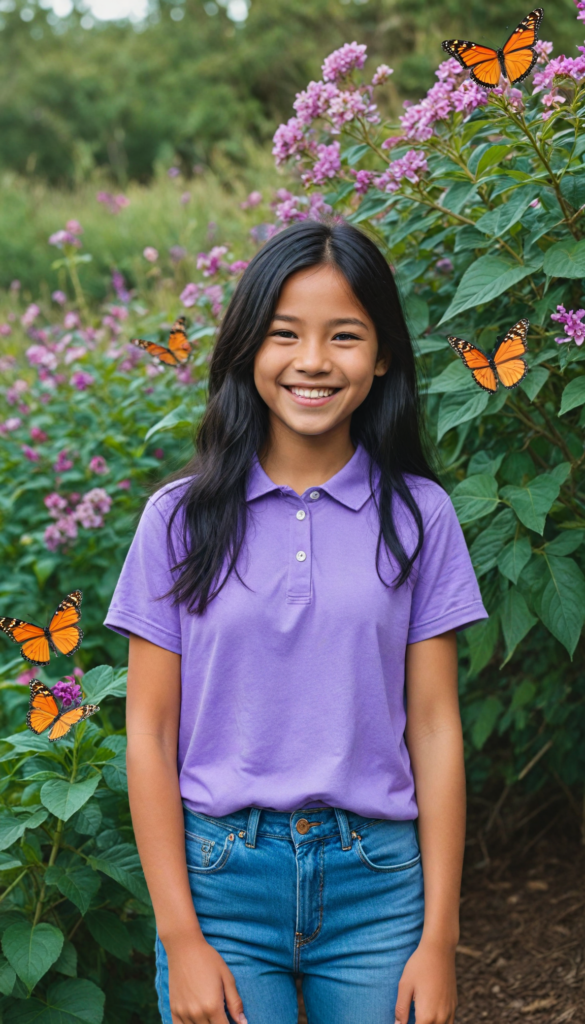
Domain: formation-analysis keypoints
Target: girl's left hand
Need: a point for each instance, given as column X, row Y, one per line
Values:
column 429, row 979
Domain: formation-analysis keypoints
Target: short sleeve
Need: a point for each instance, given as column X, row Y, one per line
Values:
column 446, row 594
column 139, row 604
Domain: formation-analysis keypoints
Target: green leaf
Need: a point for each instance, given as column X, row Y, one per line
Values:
column 13, row 826
column 517, row 620
column 417, row 314
column 455, row 378
column 75, row 1001
column 490, row 156
column 67, row 962
column 372, row 204
column 532, row 502
column 122, row 863
column 30, row 951
column 8, row 862
column 475, row 497
column 566, row 542
column 565, row 259
column 43, row 567
column 573, row 189
column 497, row 222
column 534, row 381
column 353, row 155
column 485, row 722
column 486, row 547
column 109, row 932
column 484, row 462
column 562, row 603
column 87, row 821
column 458, row 408
column 7, row 977
column 179, row 416
column 77, row 882
column 514, row 557
column 484, row 280
column 458, row 195
column 63, row 798
column 573, row 395
column 482, row 639
column 468, row 238
column 101, row 681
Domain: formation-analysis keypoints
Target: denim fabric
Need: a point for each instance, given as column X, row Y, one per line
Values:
column 277, row 903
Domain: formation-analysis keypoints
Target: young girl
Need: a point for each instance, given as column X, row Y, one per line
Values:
column 291, row 604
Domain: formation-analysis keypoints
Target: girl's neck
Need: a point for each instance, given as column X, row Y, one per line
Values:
column 301, row 461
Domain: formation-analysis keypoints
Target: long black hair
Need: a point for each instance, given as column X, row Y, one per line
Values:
column 234, row 427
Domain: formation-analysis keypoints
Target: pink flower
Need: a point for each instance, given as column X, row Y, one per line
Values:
column 211, row 262
column 289, row 140
column 67, row 691
column 408, row 167
column 29, row 453
column 28, row 318
column 71, row 321
column 190, row 294
column 177, row 253
column 535, row 204
column 328, row 164
column 55, row 503
column 444, row 265
column 238, row 266
column 60, row 532
column 38, row 435
column 14, row 393
column 363, row 180
column 92, row 508
column 184, row 375
column 254, row 199
column 15, row 285
column 61, row 238
column 5, row 330
column 150, row 254
column 571, row 322
column 98, row 465
column 341, row 62
column 559, row 67
column 580, row 5
column 11, row 424
column 173, row 172
column 114, row 203
column 543, row 49
column 63, row 463
column 382, row 74
column 124, row 485
column 59, row 297
column 27, row 676
column 345, row 106
column 39, row 355
column 74, row 227
column 313, row 102
column 82, row 380
column 214, row 295
column 185, row 198
column 158, row 453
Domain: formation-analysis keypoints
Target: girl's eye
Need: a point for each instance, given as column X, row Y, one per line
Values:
column 345, row 336
column 283, row 333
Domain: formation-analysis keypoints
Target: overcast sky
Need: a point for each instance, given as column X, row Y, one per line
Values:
column 237, row 10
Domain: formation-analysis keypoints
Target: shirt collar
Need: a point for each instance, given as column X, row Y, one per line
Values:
column 351, row 486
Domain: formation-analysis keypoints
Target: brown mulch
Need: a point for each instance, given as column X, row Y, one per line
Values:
column 521, row 958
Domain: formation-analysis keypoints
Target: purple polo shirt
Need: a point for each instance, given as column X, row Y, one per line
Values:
column 293, row 685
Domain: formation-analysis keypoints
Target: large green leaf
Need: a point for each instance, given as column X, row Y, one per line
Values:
column 30, row 951
column 455, row 378
column 87, row 821
column 459, row 408
column 485, row 722
column 7, row 977
column 514, row 557
column 534, row 381
column 67, row 962
column 181, row 416
column 102, row 681
column 573, row 395
column 417, row 314
column 573, row 188
column 562, row 603
column 484, row 280
column 108, row 931
column 122, row 863
column 566, row 542
column 13, row 826
column 517, row 620
column 532, row 502
column 475, row 497
column 64, row 798
column 76, row 881
column 565, row 259
column 497, row 222
column 487, row 545
column 75, row 1001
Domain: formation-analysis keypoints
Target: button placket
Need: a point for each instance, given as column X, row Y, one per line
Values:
column 299, row 572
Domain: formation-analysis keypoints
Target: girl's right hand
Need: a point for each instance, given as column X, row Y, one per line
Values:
column 201, row 984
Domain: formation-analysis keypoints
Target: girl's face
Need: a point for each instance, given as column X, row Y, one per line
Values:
column 320, row 356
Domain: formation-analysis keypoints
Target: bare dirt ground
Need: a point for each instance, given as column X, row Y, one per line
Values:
column 521, row 956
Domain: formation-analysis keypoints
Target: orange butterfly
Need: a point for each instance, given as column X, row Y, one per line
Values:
column 43, row 711
column 514, row 60
column 179, row 348
column 504, row 364
column 62, row 635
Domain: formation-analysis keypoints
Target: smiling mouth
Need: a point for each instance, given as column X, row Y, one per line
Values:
column 311, row 392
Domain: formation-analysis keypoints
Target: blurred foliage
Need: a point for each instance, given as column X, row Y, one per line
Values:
column 124, row 97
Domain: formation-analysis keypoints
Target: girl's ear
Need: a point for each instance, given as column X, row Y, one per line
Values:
column 382, row 365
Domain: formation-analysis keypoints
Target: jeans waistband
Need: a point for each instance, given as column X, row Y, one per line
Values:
column 304, row 825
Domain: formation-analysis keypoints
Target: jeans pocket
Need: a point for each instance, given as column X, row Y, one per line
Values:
column 388, row 846
column 208, row 844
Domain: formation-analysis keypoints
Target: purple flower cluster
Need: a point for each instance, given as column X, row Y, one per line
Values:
column 98, row 465
column 341, row 62
column 87, row 511
column 68, row 236
column 212, row 261
column 572, row 324
column 580, row 5
column 114, row 203
column 409, row 167
column 289, row 208
column 451, row 93
column 254, row 199
column 67, row 691
column 327, row 164
column 82, row 380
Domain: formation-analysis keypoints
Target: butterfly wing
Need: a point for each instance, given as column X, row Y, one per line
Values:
column 35, row 646
column 477, row 362
column 510, row 366
column 481, row 61
column 179, row 344
column 159, row 352
column 518, row 50
column 42, row 709
column 68, row 719
column 64, row 634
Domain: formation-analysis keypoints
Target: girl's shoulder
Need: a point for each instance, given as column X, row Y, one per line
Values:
column 164, row 501
column 431, row 498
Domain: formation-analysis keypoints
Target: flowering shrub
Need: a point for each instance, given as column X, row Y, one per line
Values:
column 479, row 199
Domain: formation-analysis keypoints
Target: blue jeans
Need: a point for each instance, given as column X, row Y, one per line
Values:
column 324, row 894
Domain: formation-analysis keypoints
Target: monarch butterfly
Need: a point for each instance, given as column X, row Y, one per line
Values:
column 43, row 711
column 179, row 348
column 504, row 364
column 62, row 635
column 514, row 60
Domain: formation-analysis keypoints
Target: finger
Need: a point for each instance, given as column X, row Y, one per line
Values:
column 232, row 998
column 403, row 1003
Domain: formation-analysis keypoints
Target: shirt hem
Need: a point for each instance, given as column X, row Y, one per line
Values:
column 458, row 619
column 125, row 623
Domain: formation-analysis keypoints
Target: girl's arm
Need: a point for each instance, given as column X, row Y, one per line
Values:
column 199, row 979
column 435, row 745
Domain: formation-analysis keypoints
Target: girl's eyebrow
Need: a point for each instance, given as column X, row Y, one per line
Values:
column 329, row 323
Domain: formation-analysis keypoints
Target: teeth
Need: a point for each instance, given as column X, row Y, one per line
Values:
column 313, row 392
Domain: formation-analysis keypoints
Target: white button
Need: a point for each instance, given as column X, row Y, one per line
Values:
column 301, row 556
column 314, row 495
column 301, row 514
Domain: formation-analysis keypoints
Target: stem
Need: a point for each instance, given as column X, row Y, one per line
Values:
column 52, row 859
column 77, row 287
column 13, row 884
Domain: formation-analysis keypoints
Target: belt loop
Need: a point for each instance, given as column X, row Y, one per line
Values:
column 343, row 828
column 253, row 819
